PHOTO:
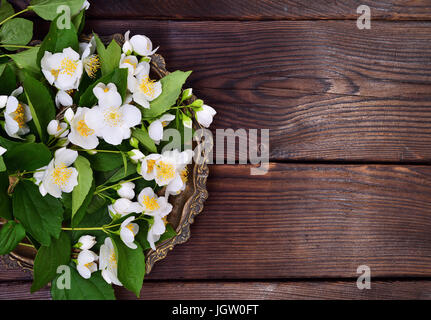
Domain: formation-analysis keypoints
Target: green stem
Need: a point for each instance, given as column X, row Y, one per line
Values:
column 82, row 229
column 14, row 15
column 26, row 245
column 15, row 46
column 116, row 185
column 107, row 151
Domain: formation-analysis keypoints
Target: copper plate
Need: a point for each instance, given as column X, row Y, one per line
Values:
column 186, row 206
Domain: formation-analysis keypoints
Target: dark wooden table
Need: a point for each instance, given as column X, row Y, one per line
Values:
column 349, row 113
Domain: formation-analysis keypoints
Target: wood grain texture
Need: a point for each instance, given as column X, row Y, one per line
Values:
column 288, row 290
column 307, row 221
column 20, row 290
column 250, row 290
column 326, row 90
column 254, row 9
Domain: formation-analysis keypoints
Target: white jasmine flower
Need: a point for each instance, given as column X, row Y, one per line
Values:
column 157, row 229
column 142, row 45
column 144, row 89
column 86, row 242
column 16, row 116
column 68, row 115
column 187, row 94
column 57, row 129
column 80, row 133
column 122, row 207
column 155, row 130
column 3, row 101
column 179, row 161
column 152, row 204
column 63, row 70
column 2, row 151
column 58, row 176
column 128, row 231
column 127, row 46
column 205, row 116
column 86, row 263
column 85, row 5
column 90, row 60
column 135, row 155
column 108, row 262
column 126, row 190
column 112, row 120
column 147, row 167
column 134, row 67
column 62, row 98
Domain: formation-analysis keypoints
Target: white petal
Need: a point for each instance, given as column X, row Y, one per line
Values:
column 65, row 156
column 155, row 130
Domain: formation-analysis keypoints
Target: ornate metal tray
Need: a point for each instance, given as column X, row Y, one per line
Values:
column 186, row 206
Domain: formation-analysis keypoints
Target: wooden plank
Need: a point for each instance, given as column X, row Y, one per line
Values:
column 20, row 290
column 254, row 9
column 326, row 90
column 274, row 290
column 306, row 221
column 250, row 290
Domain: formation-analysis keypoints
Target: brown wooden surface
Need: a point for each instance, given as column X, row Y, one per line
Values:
column 353, row 104
column 250, row 290
column 254, row 9
column 326, row 90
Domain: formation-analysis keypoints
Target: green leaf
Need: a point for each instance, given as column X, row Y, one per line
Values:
column 94, row 288
column 85, row 180
column 144, row 226
column 58, row 39
column 27, row 60
column 47, row 9
column 41, row 216
column 7, row 80
column 93, row 219
column 171, row 89
column 10, row 235
column 144, row 138
column 82, row 211
column 104, row 161
column 5, row 201
column 6, row 10
column 79, row 21
column 109, row 57
column 2, row 164
column 27, row 156
column 118, row 77
column 131, row 265
column 17, row 31
column 119, row 174
column 48, row 259
column 40, row 103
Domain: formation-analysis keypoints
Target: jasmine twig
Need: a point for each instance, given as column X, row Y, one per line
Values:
column 14, row 15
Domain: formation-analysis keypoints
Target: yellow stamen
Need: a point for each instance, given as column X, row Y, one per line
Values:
column 165, row 220
column 113, row 117
column 148, row 86
column 83, row 129
column 150, row 203
column 165, row 171
column 129, row 61
column 61, row 174
column 150, row 165
column 184, row 175
column 106, row 89
column 130, row 227
column 55, row 72
column 113, row 258
column 91, row 65
column 69, row 66
column 19, row 115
